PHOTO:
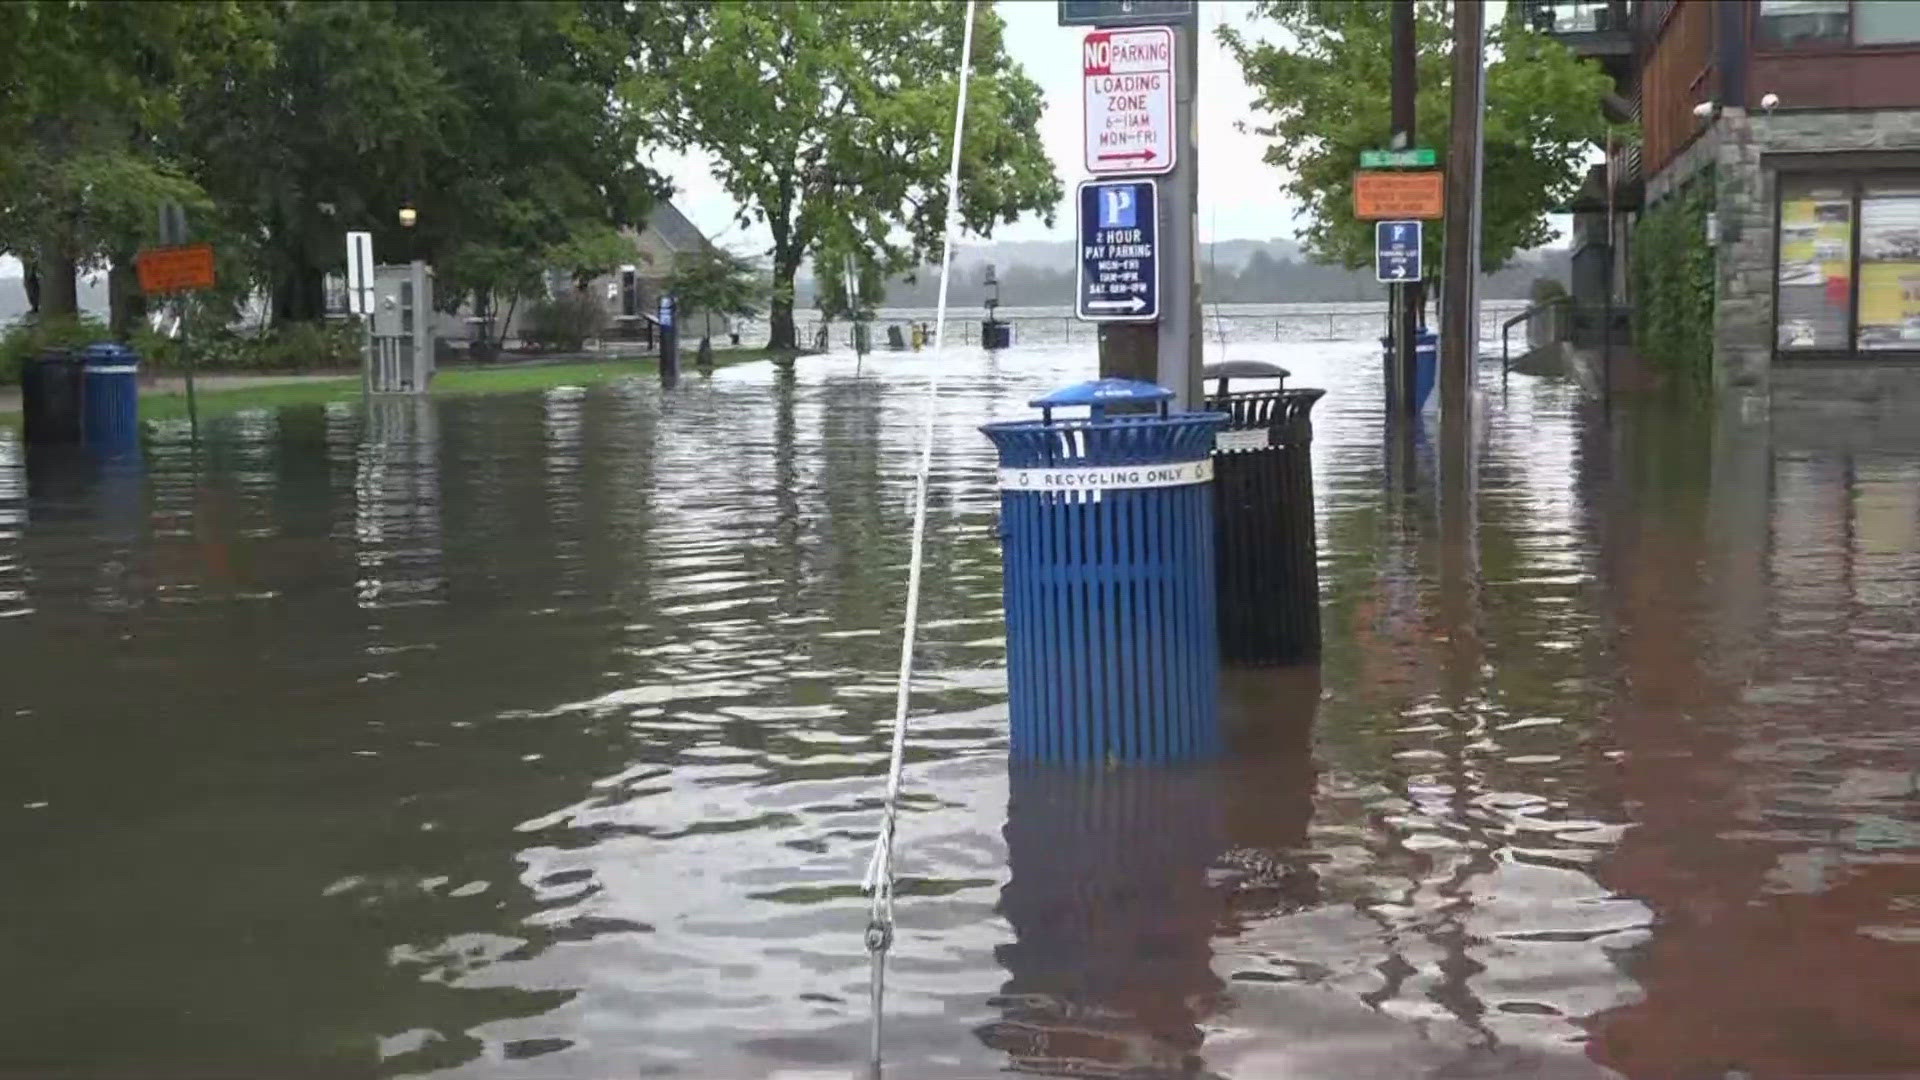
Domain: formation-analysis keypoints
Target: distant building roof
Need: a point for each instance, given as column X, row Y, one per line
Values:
column 673, row 228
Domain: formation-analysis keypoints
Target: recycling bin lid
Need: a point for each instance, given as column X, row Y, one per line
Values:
column 108, row 354
column 1244, row 369
column 1102, row 392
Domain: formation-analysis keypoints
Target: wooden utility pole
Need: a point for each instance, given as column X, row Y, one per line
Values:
column 1401, row 380
column 1460, row 312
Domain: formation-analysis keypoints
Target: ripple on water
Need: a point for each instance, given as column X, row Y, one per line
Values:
column 544, row 735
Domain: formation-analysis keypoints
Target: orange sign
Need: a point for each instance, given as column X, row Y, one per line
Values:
column 175, row 269
column 1399, row 195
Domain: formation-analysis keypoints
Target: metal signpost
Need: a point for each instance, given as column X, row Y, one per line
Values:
column 178, row 268
column 1138, row 76
column 360, row 298
column 1118, row 277
column 669, row 342
column 1396, row 251
column 360, row 273
column 1396, row 188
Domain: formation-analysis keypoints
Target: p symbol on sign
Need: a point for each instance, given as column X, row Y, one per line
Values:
column 1117, row 210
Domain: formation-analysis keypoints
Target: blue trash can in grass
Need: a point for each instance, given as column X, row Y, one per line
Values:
column 1107, row 527
column 110, row 418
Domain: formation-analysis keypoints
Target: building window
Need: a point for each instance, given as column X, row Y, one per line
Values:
column 1816, row 264
column 1794, row 24
column 1885, row 22
column 1889, row 316
column 1828, row 24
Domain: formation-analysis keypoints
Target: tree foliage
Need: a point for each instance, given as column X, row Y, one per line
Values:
column 831, row 122
column 498, row 122
column 830, row 293
column 89, row 97
column 1327, row 92
column 716, row 281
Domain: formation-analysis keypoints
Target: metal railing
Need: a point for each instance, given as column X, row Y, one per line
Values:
column 1584, row 325
column 1066, row 330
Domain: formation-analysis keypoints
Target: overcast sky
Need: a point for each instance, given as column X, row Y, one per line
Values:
column 1240, row 195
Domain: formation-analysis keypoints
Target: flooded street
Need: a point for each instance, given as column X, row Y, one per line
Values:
column 545, row 735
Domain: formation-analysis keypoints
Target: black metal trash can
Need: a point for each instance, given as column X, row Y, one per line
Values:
column 1267, row 569
column 53, row 398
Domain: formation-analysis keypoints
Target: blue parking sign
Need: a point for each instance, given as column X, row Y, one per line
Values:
column 1396, row 251
column 1119, row 264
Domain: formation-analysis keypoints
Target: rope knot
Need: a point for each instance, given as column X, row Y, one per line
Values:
column 879, row 936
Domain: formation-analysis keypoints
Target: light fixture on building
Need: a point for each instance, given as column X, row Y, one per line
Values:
column 408, row 215
column 1769, row 101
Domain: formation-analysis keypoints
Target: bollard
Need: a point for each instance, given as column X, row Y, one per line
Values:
column 52, row 396
column 110, row 417
column 1107, row 531
column 1268, row 573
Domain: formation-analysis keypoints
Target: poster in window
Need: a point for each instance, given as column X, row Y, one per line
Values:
column 1890, row 269
column 1816, row 237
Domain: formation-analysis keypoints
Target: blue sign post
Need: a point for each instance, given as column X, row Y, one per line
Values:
column 1119, row 265
column 1396, row 251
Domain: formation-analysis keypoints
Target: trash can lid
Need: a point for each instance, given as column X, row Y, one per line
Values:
column 1102, row 392
column 1244, row 369
column 106, row 353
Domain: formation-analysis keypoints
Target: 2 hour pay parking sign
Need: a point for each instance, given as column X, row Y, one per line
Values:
column 1119, row 264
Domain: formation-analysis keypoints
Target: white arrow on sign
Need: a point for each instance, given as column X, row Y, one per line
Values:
column 1134, row 304
column 1399, row 270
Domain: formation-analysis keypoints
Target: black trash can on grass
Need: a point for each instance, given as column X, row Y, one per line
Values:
column 1267, row 568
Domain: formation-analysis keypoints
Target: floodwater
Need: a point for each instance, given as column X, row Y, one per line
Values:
column 543, row 736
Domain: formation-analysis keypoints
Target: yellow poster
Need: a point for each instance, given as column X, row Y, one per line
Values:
column 1890, row 305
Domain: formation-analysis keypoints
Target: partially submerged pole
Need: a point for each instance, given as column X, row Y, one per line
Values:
column 1460, row 313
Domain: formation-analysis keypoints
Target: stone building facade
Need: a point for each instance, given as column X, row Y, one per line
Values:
column 1802, row 117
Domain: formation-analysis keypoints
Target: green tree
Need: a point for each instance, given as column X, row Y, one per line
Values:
column 830, row 266
column 541, row 162
column 836, row 117
column 88, row 98
column 715, row 281
column 498, row 122
column 1327, row 88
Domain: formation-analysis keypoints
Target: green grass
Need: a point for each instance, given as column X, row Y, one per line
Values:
column 453, row 382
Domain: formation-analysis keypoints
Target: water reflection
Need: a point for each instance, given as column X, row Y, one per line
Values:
column 543, row 735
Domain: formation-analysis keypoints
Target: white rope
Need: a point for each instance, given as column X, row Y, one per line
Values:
column 879, row 879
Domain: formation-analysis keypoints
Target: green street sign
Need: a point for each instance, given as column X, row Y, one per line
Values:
column 1420, row 157
column 1125, row 12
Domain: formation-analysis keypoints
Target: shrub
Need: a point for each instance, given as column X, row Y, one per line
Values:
column 564, row 323
column 309, row 346
column 32, row 336
column 292, row 347
column 1544, row 289
column 1672, row 277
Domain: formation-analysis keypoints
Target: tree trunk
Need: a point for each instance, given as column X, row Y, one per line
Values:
column 30, row 281
column 126, row 304
column 786, row 265
column 59, row 294
column 299, row 295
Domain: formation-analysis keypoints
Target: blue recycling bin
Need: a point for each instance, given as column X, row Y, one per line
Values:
column 110, row 418
column 1426, row 365
column 1107, row 527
